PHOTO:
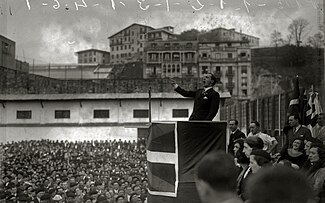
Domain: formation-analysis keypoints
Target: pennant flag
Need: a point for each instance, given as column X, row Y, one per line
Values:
column 173, row 150
column 294, row 105
column 313, row 109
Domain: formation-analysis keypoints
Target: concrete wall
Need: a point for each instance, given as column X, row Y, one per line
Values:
column 82, row 125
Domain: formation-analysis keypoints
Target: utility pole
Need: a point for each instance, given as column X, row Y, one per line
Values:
column 323, row 81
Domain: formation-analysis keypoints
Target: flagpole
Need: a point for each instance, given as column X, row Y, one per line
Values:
column 149, row 105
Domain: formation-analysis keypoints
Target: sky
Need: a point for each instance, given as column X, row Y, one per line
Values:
column 51, row 31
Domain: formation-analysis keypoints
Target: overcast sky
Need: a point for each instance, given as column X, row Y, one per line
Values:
column 51, row 31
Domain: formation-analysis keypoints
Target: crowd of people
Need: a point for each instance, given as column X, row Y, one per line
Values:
column 115, row 171
column 62, row 171
column 302, row 151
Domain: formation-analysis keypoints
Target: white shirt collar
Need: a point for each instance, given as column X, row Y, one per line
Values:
column 207, row 88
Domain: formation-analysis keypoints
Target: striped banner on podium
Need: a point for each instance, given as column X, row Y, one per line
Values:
column 173, row 150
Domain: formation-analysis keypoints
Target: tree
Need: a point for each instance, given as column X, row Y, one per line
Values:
column 276, row 38
column 316, row 41
column 298, row 29
column 189, row 35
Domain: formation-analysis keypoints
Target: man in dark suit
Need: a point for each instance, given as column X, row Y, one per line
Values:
column 235, row 134
column 206, row 100
column 297, row 130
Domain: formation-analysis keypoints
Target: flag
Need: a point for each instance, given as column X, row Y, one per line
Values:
column 294, row 105
column 173, row 150
column 313, row 109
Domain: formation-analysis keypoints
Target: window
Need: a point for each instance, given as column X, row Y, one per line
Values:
column 140, row 113
column 94, row 59
column 244, row 70
column 112, row 48
column 24, row 114
column 180, row 113
column 5, row 47
column 102, row 113
column 204, row 55
column 61, row 114
column 229, row 55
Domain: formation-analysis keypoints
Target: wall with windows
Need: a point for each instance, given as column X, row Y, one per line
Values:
column 7, row 53
column 75, row 117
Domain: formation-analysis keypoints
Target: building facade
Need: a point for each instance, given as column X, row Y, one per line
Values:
column 76, row 117
column 128, row 44
column 171, row 58
column 223, row 34
column 93, row 56
column 7, row 53
column 230, row 61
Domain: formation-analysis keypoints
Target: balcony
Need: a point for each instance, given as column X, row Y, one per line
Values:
column 153, row 61
column 244, row 59
column 189, row 60
column 210, row 59
column 152, row 75
column 225, row 49
column 230, row 85
column 218, row 74
column 229, row 73
column 170, row 48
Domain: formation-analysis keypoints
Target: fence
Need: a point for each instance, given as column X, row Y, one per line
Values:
column 270, row 112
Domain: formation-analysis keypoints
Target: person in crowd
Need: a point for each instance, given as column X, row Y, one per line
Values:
column 279, row 184
column 295, row 154
column 258, row 159
column 216, row 182
column 95, row 169
column 235, row 134
column 242, row 160
column 308, row 142
column 316, row 173
column 269, row 142
column 206, row 100
column 250, row 143
column 238, row 149
column 319, row 128
column 296, row 130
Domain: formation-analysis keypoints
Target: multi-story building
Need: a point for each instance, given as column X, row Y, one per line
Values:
column 230, row 61
column 93, row 56
column 7, row 53
column 128, row 44
column 171, row 58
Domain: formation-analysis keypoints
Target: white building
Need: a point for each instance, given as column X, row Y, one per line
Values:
column 88, row 116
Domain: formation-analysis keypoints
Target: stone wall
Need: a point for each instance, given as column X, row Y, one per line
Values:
column 19, row 82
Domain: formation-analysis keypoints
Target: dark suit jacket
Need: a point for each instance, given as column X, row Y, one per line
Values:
column 206, row 105
column 234, row 136
column 302, row 132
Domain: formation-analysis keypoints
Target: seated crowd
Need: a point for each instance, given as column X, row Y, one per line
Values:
column 62, row 171
column 115, row 172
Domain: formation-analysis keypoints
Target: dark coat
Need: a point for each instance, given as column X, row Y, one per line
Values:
column 234, row 136
column 302, row 132
column 206, row 105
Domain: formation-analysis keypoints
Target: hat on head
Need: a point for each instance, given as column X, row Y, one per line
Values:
column 262, row 153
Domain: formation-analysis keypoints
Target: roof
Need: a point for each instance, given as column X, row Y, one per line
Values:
column 233, row 29
column 87, row 50
column 106, row 96
column 129, row 27
column 161, row 30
